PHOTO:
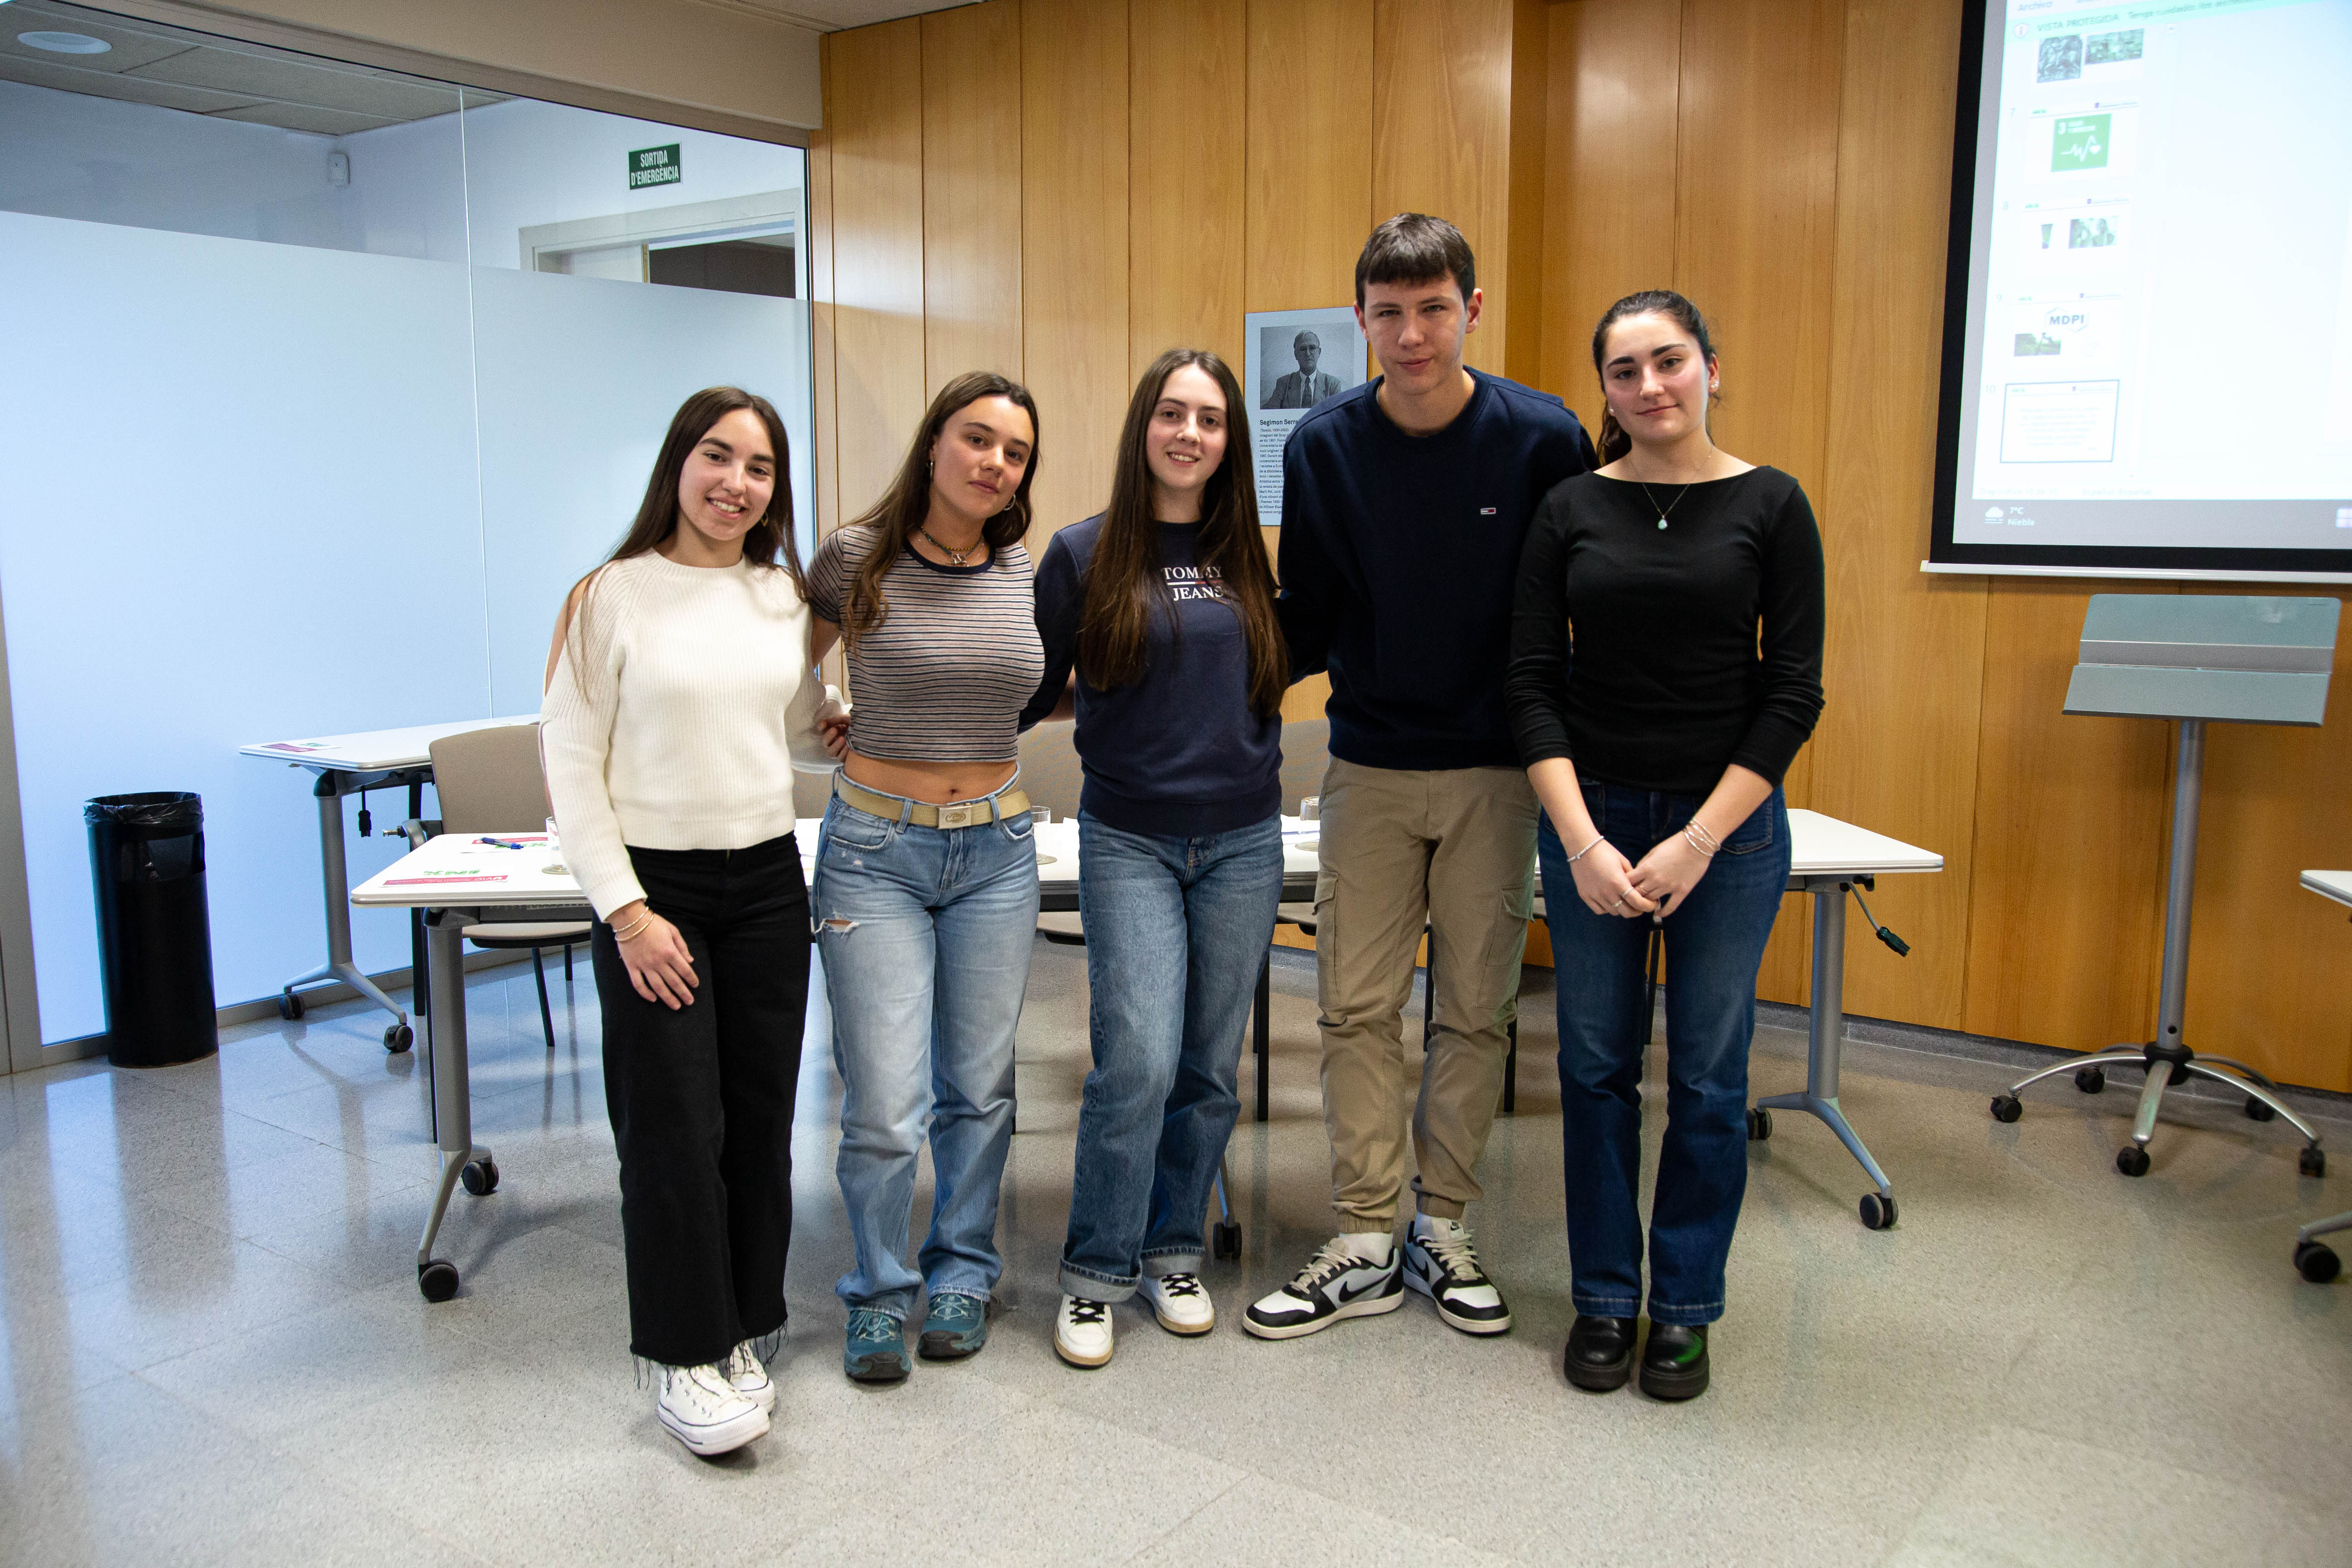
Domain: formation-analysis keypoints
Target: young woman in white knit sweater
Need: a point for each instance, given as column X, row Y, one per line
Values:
column 680, row 692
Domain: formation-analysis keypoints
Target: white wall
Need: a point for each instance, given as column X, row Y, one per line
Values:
column 242, row 506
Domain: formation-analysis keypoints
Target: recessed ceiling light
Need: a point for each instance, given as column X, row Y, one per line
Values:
column 65, row 43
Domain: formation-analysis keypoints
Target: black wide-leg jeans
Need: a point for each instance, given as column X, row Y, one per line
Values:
column 701, row 1100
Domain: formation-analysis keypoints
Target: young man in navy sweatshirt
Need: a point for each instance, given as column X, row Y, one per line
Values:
column 1404, row 504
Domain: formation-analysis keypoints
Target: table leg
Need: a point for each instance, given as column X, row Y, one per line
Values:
column 336, row 878
column 1828, row 1039
column 452, row 1111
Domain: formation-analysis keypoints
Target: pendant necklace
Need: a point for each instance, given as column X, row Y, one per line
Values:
column 1645, row 491
column 957, row 557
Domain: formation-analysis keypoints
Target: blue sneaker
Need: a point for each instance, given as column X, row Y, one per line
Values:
column 875, row 1349
column 957, row 1327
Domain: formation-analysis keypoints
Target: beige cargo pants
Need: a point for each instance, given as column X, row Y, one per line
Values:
column 1456, row 848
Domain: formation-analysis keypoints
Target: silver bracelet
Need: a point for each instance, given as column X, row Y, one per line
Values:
column 1586, row 850
column 1699, row 838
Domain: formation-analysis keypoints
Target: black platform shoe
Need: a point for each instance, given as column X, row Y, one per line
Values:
column 1674, row 1363
column 1600, row 1354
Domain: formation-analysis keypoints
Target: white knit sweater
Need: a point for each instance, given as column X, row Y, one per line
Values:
column 691, row 699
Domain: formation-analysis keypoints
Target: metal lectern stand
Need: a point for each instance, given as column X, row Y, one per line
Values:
column 2193, row 659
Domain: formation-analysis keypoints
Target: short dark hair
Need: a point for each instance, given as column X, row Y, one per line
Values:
column 1413, row 247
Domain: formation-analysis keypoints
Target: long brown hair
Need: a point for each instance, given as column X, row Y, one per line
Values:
column 1125, row 585
column 908, row 501
column 768, row 543
column 1615, row 442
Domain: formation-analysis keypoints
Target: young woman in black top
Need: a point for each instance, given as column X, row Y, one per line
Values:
column 1655, row 724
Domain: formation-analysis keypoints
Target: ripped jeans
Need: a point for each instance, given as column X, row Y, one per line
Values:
column 924, row 936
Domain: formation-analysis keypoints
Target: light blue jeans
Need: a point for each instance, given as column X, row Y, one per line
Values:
column 1176, row 931
column 925, row 934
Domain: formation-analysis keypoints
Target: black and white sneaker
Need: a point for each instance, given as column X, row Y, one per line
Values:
column 1441, row 1263
column 1337, row 1284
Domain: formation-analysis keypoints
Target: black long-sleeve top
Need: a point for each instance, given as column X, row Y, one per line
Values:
column 1635, row 650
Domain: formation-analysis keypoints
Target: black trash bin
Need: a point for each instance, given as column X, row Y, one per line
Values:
column 155, row 931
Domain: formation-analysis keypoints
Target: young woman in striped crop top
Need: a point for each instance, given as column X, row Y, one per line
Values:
column 926, row 897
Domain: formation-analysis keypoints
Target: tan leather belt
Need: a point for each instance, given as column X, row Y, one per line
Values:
column 968, row 814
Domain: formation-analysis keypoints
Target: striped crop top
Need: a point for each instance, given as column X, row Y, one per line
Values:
column 945, row 675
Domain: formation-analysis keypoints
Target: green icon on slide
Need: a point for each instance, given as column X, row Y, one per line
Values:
column 2081, row 142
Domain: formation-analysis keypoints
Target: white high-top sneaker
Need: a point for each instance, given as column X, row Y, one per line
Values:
column 749, row 1379
column 1179, row 1303
column 1442, row 1262
column 702, row 1409
column 1082, row 1331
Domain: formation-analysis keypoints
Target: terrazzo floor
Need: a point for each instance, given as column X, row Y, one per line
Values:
column 212, row 1348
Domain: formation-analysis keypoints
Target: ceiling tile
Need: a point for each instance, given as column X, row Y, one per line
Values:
column 133, row 89
column 352, row 92
column 305, row 117
column 131, row 49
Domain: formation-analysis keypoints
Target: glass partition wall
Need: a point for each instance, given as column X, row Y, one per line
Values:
column 323, row 385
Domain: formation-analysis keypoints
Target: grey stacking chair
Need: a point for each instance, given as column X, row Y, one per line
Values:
column 490, row 781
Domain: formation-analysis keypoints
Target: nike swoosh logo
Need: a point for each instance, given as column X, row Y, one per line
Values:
column 1347, row 1293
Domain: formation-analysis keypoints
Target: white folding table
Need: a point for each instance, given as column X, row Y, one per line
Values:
column 1829, row 859
column 346, row 765
column 457, row 880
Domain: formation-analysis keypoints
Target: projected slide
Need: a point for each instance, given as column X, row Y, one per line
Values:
column 2158, row 329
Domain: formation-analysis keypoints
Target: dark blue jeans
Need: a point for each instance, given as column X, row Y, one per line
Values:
column 1715, row 944
column 1176, row 930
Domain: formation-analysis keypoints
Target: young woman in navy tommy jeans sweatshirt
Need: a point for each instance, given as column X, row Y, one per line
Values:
column 1163, row 607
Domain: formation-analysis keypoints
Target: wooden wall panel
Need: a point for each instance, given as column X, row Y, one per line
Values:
column 875, row 96
column 1755, row 243
column 2068, row 858
column 1441, row 136
column 1309, row 195
column 971, row 174
column 1530, row 111
column 1780, row 160
column 2269, row 966
column 1074, row 248
column 1186, row 119
column 1608, row 175
column 1900, row 642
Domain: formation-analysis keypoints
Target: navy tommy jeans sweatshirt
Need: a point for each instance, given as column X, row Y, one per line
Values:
column 1175, row 753
column 1399, row 557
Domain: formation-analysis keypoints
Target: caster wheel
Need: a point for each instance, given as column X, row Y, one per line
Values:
column 437, row 1281
column 2132, row 1160
column 481, row 1177
column 2257, row 1111
column 1877, row 1211
column 1759, row 1126
column 2316, row 1261
column 2091, row 1080
column 2312, row 1162
column 1226, row 1240
column 2007, row 1108
column 398, row 1037
column 289, row 1006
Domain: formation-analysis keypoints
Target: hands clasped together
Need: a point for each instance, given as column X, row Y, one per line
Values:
column 1609, row 884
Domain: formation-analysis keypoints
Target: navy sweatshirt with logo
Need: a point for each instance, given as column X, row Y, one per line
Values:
column 1175, row 753
column 1399, row 557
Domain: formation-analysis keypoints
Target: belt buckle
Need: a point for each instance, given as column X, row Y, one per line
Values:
column 958, row 815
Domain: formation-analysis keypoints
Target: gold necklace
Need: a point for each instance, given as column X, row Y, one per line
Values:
column 957, row 557
column 1652, row 499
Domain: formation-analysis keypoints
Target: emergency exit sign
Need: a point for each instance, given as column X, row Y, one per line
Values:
column 654, row 166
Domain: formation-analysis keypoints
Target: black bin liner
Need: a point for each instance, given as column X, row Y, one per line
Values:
column 154, row 929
